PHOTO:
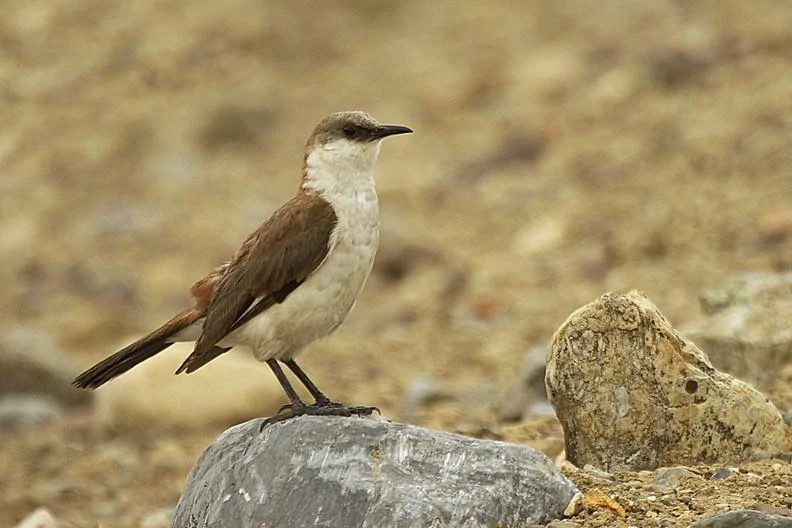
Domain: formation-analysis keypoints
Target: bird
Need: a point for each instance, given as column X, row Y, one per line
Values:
column 294, row 280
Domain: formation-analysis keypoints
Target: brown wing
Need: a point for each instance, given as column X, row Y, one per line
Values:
column 271, row 264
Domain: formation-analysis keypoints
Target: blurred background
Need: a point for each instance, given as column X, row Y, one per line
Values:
column 561, row 150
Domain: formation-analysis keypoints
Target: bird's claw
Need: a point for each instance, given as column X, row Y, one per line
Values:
column 320, row 408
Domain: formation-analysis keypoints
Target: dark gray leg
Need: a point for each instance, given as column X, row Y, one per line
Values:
column 284, row 382
column 305, row 380
column 323, row 406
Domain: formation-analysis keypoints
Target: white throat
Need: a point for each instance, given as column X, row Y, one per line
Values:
column 341, row 169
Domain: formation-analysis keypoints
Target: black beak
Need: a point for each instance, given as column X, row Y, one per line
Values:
column 384, row 131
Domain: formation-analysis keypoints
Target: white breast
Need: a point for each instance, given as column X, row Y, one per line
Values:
column 323, row 301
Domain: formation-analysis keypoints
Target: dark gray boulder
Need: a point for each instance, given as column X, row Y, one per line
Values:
column 743, row 519
column 363, row 472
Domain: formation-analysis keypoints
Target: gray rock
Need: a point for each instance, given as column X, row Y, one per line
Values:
column 528, row 389
column 744, row 519
column 746, row 289
column 631, row 393
column 28, row 410
column 747, row 330
column 596, row 472
column 329, row 471
column 670, row 476
column 422, row 392
column 721, row 473
column 30, row 362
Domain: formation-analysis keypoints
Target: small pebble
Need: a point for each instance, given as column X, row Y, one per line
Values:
column 563, row 524
column 670, row 476
column 157, row 519
column 575, row 505
column 596, row 472
column 721, row 473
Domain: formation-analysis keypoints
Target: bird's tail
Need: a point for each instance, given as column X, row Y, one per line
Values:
column 139, row 351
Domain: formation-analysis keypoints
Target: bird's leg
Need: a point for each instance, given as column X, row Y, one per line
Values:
column 318, row 395
column 324, row 404
column 322, row 407
column 294, row 408
column 284, row 382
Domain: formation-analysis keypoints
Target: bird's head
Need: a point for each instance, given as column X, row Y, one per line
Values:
column 347, row 143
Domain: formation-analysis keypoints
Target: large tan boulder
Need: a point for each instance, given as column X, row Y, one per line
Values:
column 631, row 393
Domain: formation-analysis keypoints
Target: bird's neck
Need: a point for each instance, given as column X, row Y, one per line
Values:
column 338, row 177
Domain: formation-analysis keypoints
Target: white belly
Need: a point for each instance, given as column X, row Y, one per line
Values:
column 318, row 306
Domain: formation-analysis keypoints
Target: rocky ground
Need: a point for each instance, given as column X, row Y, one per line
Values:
column 560, row 152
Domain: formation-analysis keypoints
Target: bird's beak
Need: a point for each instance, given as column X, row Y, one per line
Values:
column 384, row 131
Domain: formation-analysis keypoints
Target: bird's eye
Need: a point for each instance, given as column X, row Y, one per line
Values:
column 349, row 131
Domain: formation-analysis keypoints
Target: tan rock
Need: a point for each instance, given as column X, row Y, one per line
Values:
column 229, row 390
column 631, row 393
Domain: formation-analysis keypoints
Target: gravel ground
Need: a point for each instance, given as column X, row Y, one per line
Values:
column 560, row 152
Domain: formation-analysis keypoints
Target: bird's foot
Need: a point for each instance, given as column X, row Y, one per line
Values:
column 325, row 406
column 320, row 408
column 290, row 410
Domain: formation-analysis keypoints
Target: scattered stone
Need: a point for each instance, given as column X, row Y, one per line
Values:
column 28, row 410
column 658, row 489
column 596, row 498
column 421, row 392
column 747, row 332
column 563, row 524
column 575, row 505
column 721, row 473
column 157, row 519
column 746, row 289
column 31, row 362
column 528, row 389
column 670, row 476
column 597, row 472
column 40, row 518
column 787, row 416
column 565, row 466
column 631, row 393
column 150, row 395
column 329, row 471
column 744, row 519
column 772, row 510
